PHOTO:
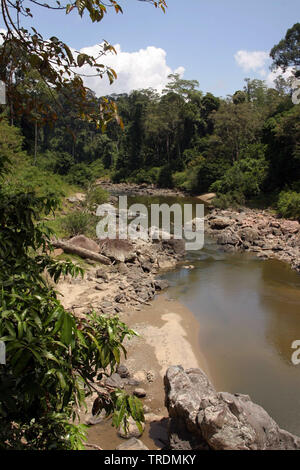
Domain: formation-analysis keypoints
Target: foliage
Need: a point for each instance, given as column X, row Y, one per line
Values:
column 81, row 175
column 78, row 223
column 95, row 197
column 288, row 205
column 165, row 179
column 287, row 52
column 52, row 357
column 245, row 178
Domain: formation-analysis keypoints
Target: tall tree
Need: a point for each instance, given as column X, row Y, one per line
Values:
column 287, row 52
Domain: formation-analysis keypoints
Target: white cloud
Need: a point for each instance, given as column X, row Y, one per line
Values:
column 146, row 68
column 252, row 61
column 271, row 77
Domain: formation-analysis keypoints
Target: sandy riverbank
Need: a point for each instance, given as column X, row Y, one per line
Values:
column 169, row 335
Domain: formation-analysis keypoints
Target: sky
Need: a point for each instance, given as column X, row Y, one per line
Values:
column 217, row 42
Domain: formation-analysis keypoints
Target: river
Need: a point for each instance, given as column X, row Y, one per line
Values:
column 249, row 316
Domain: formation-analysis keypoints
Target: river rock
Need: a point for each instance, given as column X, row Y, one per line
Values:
column 83, row 242
column 117, row 250
column 248, row 234
column 139, row 392
column 202, row 418
column 123, row 371
column 115, row 381
column 161, row 284
column 227, row 238
column 175, row 246
column 133, row 430
column 219, row 223
column 132, row 444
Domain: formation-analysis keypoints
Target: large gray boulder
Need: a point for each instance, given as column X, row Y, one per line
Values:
column 81, row 241
column 202, row 418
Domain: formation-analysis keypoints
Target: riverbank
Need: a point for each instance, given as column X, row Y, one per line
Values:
column 139, row 189
column 258, row 232
column 168, row 334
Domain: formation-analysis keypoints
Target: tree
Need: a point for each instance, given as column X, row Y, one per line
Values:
column 58, row 66
column 287, row 52
column 237, row 125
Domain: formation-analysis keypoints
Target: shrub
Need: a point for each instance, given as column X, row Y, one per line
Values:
column 165, row 179
column 53, row 358
column 79, row 223
column 179, row 179
column 96, row 196
column 223, row 201
column 81, row 175
column 289, row 205
column 245, row 177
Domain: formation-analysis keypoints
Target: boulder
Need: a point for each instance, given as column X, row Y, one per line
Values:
column 123, row 371
column 139, row 392
column 207, row 198
column 132, row 431
column 219, row 223
column 175, row 246
column 117, row 250
column 227, row 238
column 248, row 234
column 132, row 444
column 161, row 284
column 86, row 243
column 202, row 418
column 114, row 381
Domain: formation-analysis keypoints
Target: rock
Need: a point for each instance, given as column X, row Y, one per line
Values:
column 202, row 418
column 207, row 197
column 161, row 284
column 120, row 298
column 57, row 252
column 93, row 420
column 76, row 198
column 175, row 246
column 219, row 223
column 133, row 382
column 133, row 430
column 100, row 274
column 123, row 371
column 132, row 444
column 117, row 250
column 227, row 238
column 101, row 288
column 165, row 263
column 248, row 234
column 115, row 381
column 152, row 418
column 140, row 376
column 139, row 392
column 83, row 242
column 146, row 409
column 147, row 267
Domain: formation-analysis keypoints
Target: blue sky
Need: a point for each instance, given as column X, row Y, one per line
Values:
column 200, row 36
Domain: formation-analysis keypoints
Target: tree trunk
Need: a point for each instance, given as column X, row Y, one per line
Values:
column 82, row 252
column 35, row 142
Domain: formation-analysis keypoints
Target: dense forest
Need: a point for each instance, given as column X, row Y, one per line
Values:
column 245, row 147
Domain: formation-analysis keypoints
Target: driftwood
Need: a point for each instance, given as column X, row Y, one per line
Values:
column 82, row 252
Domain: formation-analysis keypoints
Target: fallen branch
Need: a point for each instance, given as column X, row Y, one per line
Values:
column 82, row 252
column 93, row 446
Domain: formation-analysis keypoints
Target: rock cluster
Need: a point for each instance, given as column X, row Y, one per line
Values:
column 138, row 189
column 202, row 418
column 258, row 232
